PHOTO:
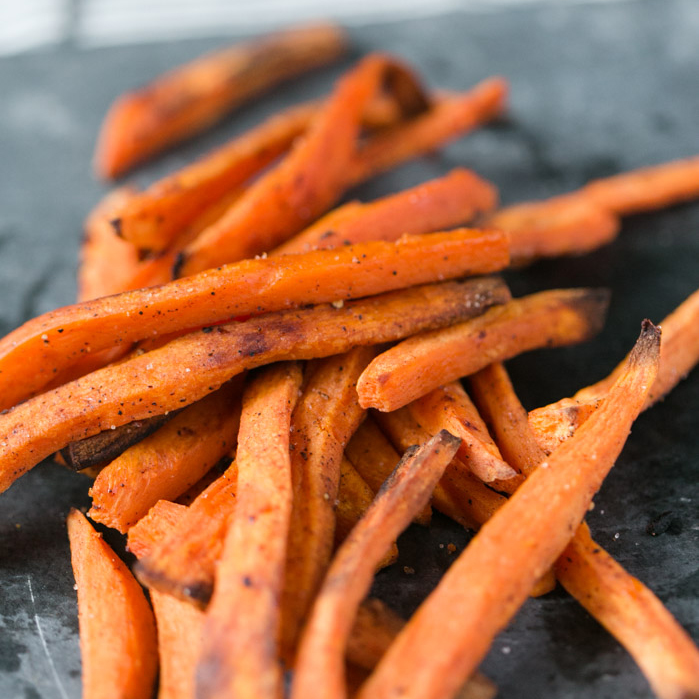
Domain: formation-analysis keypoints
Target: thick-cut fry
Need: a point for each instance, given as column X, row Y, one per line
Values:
column 182, row 565
column 180, row 625
column 117, row 631
column 679, row 353
column 310, row 179
column 324, row 420
column 633, row 614
column 169, row 462
column 192, row 366
column 449, row 407
column 436, row 205
column 422, row 363
column 446, row 120
column 483, row 589
column 565, row 225
column 647, row 188
column 31, row 355
column 106, row 262
column 194, row 96
column 319, row 668
column 374, row 458
column 241, row 633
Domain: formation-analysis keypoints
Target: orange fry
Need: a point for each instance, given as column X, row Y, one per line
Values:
column 194, row 96
column 422, row 363
column 487, row 584
column 319, row 669
column 33, row 354
column 117, row 630
column 241, row 633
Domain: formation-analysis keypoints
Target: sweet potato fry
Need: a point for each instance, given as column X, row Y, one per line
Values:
column 171, row 460
column 436, row 205
column 486, row 585
column 241, row 633
column 308, row 180
column 647, row 188
column 446, row 120
column 679, row 353
column 196, row 95
column 106, row 261
column 325, row 418
column 193, row 366
column 182, row 565
column 422, row 363
column 449, row 407
column 633, row 614
column 180, row 625
column 320, row 663
column 34, row 353
column 117, row 639
column 374, row 458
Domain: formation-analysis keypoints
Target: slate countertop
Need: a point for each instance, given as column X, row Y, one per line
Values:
column 595, row 89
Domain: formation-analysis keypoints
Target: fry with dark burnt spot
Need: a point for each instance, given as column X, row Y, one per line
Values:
column 486, row 585
column 239, row 654
column 320, row 663
column 194, row 96
column 422, row 363
column 117, row 639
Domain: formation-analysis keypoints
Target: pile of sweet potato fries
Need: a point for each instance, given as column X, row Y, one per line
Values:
column 246, row 365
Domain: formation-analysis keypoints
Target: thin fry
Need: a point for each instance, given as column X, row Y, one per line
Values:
column 422, row 363
column 320, row 663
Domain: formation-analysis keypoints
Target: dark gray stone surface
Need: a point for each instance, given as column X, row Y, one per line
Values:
column 595, row 89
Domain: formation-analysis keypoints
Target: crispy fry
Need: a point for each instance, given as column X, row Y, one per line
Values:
column 117, row 640
column 633, row 614
column 309, row 180
column 171, row 460
column 422, row 363
column 374, row 458
column 436, row 205
column 320, row 664
column 325, row 418
column 182, row 565
column 647, row 188
column 449, row 118
column 486, row 585
column 679, row 353
column 180, row 625
column 31, row 355
column 194, row 96
column 192, row 366
column 241, row 633
column 449, row 407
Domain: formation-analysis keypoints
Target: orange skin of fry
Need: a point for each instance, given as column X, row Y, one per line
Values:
column 374, row 458
column 180, row 625
column 420, row 364
column 183, row 562
column 447, row 119
column 319, row 669
column 325, row 418
column 117, row 631
column 488, row 583
column 449, row 408
column 31, row 355
column 190, row 367
column 194, row 96
column 679, row 354
column 168, row 462
column 436, row 205
column 239, row 652
column 305, row 184
column 633, row 615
